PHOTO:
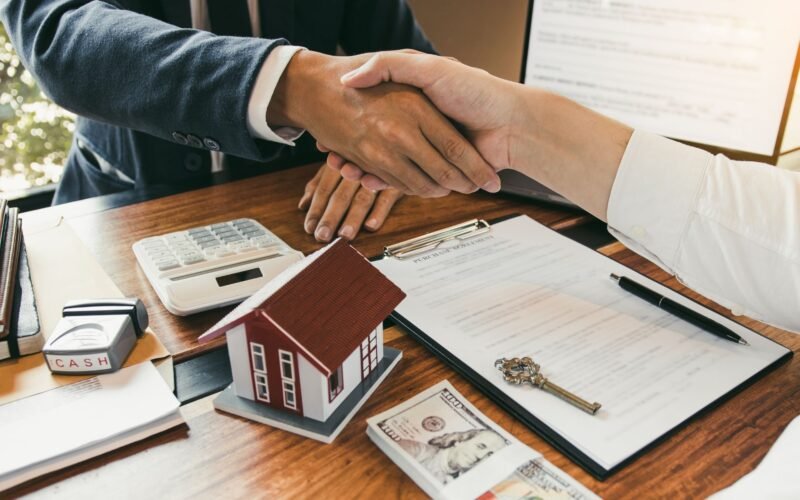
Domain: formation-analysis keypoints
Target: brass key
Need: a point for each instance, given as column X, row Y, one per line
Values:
column 524, row 371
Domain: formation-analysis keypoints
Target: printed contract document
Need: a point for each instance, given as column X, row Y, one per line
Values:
column 715, row 72
column 525, row 290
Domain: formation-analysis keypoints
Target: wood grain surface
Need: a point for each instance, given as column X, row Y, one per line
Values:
column 220, row 456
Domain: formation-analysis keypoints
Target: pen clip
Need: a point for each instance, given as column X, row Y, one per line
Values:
column 432, row 241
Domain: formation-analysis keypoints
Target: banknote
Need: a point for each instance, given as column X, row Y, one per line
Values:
column 442, row 435
column 439, row 439
column 538, row 479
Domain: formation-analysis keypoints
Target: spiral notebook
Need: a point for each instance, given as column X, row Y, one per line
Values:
column 478, row 292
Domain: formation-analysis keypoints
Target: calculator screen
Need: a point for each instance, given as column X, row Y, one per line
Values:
column 230, row 279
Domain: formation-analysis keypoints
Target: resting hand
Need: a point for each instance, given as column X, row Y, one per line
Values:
column 484, row 105
column 334, row 203
column 392, row 130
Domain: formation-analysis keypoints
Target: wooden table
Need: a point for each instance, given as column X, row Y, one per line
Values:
column 217, row 455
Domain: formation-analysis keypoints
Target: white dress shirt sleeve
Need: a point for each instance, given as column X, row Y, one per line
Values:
column 727, row 229
column 264, row 87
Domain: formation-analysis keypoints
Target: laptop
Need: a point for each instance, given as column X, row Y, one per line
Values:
column 715, row 74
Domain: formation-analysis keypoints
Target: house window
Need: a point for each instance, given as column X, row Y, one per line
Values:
column 287, row 365
column 335, row 383
column 287, row 379
column 289, row 400
column 369, row 354
column 262, row 389
column 259, row 371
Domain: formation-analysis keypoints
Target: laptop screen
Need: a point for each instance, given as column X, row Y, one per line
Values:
column 714, row 73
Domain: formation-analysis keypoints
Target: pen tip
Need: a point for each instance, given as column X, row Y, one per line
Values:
column 743, row 342
column 614, row 277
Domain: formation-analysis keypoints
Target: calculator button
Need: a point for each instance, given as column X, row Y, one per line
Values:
column 246, row 248
column 264, row 239
column 197, row 230
column 254, row 232
column 153, row 243
column 219, row 225
column 205, row 239
column 192, row 259
column 224, row 252
column 232, row 238
column 175, row 237
column 239, row 222
column 208, row 244
column 161, row 256
column 227, row 234
column 166, row 264
column 202, row 236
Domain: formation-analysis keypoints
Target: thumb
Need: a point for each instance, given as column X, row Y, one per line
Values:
column 417, row 70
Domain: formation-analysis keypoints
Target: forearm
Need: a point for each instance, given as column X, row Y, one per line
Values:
column 568, row 148
column 134, row 71
column 728, row 229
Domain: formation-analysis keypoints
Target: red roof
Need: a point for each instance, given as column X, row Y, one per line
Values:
column 329, row 307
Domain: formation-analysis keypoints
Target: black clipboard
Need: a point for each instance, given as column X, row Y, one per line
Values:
column 518, row 411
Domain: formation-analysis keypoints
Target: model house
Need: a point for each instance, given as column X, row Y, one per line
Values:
column 309, row 340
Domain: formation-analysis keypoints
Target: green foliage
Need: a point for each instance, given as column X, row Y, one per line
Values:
column 35, row 134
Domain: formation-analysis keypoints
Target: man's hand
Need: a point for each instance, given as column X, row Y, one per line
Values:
column 335, row 203
column 391, row 130
column 485, row 106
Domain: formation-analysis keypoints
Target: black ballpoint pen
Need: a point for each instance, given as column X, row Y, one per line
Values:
column 678, row 310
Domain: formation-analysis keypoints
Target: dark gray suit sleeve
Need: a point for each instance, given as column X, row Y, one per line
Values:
column 133, row 71
column 374, row 25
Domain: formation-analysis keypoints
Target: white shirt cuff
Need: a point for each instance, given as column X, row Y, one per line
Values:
column 655, row 195
column 267, row 80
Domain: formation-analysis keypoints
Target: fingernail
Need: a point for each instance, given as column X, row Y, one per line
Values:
column 323, row 233
column 346, row 232
column 310, row 225
column 492, row 186
column 372, row 224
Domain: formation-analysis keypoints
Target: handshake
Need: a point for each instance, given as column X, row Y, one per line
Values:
column 428, row 125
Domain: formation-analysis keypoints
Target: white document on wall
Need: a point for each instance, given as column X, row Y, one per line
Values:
column 66, row 425
column 715, row 72
column 525, row 290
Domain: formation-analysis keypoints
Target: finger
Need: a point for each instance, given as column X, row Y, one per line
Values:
column 359, row 208
column 351, row 171
column 418, row 70
column 444, row 173
column 460, row 153
column 311, row 186
column 336, row 209
column 328, row 182
column 335, row 161
column 381, row 208
column 322, row 148
column 407, row 176
column 373, row 183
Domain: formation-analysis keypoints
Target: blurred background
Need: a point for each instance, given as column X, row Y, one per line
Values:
column 35, row 134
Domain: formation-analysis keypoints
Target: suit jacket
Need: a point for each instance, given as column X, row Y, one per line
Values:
column 142, row 82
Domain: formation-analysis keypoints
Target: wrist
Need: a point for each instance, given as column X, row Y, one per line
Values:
column 296, row 88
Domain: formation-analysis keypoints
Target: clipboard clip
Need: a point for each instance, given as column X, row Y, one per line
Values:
column 432, row 241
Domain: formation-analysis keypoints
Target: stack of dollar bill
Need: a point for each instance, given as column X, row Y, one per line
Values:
column 451, row 450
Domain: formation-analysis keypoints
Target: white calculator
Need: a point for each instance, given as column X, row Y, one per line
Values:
column 212, row 266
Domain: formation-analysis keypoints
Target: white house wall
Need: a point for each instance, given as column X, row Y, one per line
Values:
column 351, row 376
column 313, row 389
column 380, row 342
column 239, row 354
column 314, row 384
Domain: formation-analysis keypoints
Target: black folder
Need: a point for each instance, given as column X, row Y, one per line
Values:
column 546, row 432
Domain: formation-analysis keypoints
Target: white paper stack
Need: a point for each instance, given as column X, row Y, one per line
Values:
column 72, row 423
column 451, row 450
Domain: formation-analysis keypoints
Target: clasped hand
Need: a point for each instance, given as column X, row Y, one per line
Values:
column 392, row 130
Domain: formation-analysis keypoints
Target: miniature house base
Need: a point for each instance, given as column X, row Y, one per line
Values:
column 325, row 431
